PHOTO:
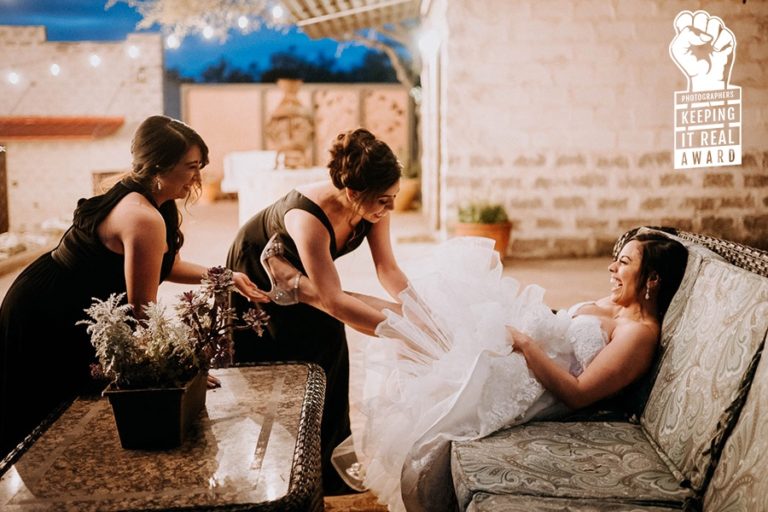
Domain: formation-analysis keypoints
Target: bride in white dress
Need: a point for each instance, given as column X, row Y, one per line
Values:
column 463, row 363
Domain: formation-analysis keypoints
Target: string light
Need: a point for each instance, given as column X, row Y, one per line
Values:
column 242, row 22
column 208, row 32
column 55, row 69
column 95, row 60
column 133, row 51
column 172, row 42
column 277, row 12
column 14, row 78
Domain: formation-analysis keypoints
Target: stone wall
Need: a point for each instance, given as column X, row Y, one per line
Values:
column 46, row 176
column 563, row 111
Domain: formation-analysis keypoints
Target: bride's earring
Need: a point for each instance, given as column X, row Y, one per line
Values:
column 158, row 184
column 647, row 295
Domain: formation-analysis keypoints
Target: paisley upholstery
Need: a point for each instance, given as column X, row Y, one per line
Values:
column 602, row 460
column 673, row 319
column 482, row 502
column 739, row 482
column 721, row 327
column 702, row 437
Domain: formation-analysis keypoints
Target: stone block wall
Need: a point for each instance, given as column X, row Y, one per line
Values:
column 47, row 175
column 563, row 111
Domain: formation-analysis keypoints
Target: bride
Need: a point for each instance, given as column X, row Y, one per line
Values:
column 472, row 353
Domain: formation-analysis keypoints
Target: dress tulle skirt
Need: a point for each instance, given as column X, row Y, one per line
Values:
column 442, row 370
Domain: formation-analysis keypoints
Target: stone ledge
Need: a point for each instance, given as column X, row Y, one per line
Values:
column 24, row 258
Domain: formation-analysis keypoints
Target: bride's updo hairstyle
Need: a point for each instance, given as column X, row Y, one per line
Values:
column 363, row 163
column 665, row 257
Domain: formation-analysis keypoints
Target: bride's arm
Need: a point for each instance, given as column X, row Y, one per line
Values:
column 622, row 361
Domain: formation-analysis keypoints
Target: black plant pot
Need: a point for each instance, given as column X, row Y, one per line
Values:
column 156, row 418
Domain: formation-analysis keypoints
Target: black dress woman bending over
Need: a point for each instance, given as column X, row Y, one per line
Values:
column 126, row 240
column 312, row 226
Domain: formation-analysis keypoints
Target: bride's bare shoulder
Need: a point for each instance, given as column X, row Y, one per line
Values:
column 641, row 330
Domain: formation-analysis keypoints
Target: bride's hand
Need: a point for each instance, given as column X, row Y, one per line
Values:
column 247, row 289
column 519, row 341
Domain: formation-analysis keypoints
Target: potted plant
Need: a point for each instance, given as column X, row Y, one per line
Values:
column 210, row 188
column 485, row 219
column 410, row 186
column 159, row 365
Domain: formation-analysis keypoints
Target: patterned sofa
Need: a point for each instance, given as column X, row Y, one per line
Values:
column 699, row 442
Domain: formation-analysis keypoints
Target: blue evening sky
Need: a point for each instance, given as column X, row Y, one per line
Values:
column 87, row 20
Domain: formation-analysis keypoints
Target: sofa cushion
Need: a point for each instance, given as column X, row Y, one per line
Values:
column 482, row 502
column 705, row 357
column 600, row 460
column 739, row 481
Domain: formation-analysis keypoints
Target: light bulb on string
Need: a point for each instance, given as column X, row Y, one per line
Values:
column 55, row 69
column 133, row 51
column 14, row 78
column 172, row 41
column 277, row 12
column 243, row 22
column 208, row 32
column 95, row 60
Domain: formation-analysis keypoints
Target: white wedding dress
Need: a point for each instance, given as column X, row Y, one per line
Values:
column 450, row 373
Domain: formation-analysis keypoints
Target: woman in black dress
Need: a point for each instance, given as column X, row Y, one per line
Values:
column 316, row 224
column 126, row 240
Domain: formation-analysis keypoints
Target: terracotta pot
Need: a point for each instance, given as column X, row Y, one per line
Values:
column 209, row 192
column 157, row 418
column 499, row 232
column 409, row 190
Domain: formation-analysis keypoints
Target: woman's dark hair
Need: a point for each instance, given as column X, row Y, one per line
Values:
column 159, row 144
column 363, row 163
column 665, row 257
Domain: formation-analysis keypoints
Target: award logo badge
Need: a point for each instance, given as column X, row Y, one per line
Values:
column 708, row 114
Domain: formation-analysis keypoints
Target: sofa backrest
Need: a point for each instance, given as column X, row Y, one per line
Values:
column 714, row 328
column 739, row 481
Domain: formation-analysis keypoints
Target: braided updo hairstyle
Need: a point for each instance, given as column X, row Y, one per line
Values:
column 363, row 163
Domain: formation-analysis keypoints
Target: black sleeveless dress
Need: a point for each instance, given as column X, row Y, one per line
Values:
column 299, row 332
column 44, row 356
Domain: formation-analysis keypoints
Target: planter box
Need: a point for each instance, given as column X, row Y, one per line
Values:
column 498, row 232
column 409, row 191
column 156, row 419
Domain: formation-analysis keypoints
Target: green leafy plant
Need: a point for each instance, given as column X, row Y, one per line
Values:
column 161, row 350
column 483, row 213
column 412, row 170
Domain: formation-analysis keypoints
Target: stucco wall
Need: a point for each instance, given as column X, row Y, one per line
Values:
column 563, row 111
column 231, row 117
column 47, row 176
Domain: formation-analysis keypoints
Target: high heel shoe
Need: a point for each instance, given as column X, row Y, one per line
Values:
column 283, row 296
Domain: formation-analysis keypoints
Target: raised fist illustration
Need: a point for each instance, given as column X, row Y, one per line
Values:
column 704, row 50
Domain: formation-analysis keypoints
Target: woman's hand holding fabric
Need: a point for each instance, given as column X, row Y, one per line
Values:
column 519, row 340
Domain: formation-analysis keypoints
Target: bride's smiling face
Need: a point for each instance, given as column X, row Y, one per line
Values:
column 624, row 274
